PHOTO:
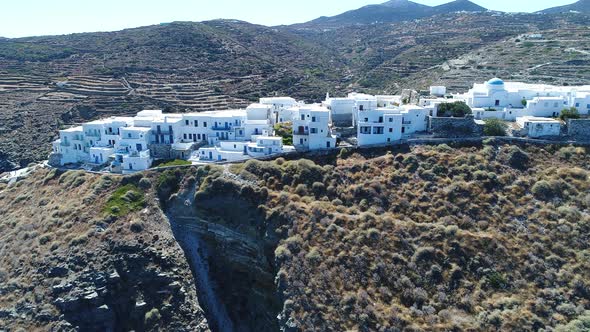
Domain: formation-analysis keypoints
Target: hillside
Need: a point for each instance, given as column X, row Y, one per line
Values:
column 581, row 6
column 390, row 12
column 67, row 263
column 438, row 238
column 560, row 57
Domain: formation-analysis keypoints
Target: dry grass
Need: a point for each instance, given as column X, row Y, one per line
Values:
column 436, row 239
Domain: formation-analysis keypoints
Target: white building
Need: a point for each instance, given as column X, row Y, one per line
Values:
column 344, row 111
column 261, row 146
column 438, row 90
column 312, row 128
column 388, row 125
column 281, row 108
column 516, row 99
column 538, row 127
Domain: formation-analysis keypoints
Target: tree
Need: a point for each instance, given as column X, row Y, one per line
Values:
column 569, row 113
column 523, row 102
column 457, row 109
column 494, row 127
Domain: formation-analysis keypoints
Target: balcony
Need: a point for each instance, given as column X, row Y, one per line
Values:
column 140, row 154
column 221, row 128
column 407, row 122
column 301, row 132
column 64, row 143
column 163, row 132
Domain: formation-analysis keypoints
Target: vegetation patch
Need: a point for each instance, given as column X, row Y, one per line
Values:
column 126, row 199
column 177, row 162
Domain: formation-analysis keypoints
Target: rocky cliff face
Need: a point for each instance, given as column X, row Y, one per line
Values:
column 67, row 265
column 225, row 237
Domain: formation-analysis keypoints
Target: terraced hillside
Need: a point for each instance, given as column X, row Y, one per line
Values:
column 389, row 57
column 560, row 56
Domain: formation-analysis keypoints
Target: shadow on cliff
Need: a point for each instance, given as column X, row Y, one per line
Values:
column 229, row 245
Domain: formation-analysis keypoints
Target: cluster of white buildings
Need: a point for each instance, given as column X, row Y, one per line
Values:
column 128, row 144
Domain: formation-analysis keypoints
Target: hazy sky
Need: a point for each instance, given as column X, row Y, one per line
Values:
column 49, row 17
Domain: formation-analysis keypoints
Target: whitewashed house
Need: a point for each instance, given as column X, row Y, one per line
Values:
column 389, row 125
column 536, row 127
column 344, row 111
column 281, row 108
column 312, row 128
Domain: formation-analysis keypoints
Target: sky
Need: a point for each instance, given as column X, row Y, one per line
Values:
column 20, row 18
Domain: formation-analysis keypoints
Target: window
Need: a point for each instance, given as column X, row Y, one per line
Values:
column 313, row 130
column 365, row 130
column 184, row 136
column 378, row 130
column 577, row 104
column 380, row 119
column 497, row 102
column 190, row 136
column 366, row 119
column 186, row 122
column 391, row 130
column 128, row 135
column 556, row 105
column 205, row 124
column 313, row 119
column 390, row 119
column 546, row 104
column 302, row 116
column 361, row 108
column 199, row 136
column 196, row 123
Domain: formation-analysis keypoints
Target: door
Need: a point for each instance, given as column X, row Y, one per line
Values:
column 210, row 155
column 328, row 144
column 96, row 159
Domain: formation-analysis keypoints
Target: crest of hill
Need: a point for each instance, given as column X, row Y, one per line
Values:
column 582, row 6
column 395, row 11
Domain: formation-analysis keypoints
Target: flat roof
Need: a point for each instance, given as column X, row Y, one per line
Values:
column 140, row 129
column 226, row 113
column 537, row 119
column 73, row 129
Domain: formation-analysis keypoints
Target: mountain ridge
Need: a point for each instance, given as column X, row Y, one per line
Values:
column 394, row 11
column 582, row 6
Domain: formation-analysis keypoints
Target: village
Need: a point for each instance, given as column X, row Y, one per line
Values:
column 131, row 144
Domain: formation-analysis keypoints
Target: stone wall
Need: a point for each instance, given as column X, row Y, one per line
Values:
column 579, row 129
column 55, row 159
column 160, row 151
column 454, row 127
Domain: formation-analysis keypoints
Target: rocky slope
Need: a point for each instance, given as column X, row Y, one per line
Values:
column 420, row 239
column 484, row 237
column 69, row 264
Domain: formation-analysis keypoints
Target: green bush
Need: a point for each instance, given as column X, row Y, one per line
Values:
column 494, row 127
column 457, row 109
column 569, row 113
